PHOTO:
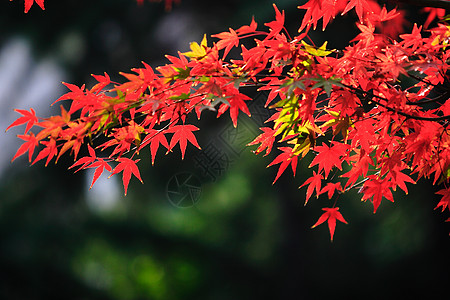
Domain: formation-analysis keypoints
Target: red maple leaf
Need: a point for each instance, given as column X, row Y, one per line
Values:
column 100, row 166
column 277, row 25
column 85, row 161
column 128, row 166
column 318, row 9
column 286, row 158
column 330, row 215
column 29, row 117
column 432, row 14
column 183, row 134
column 315, row 182
column 366, row 35
column 445, row 201
column 399, row 179
column 103, row 81
column 360, row 167
column 228, row 40
column 413, row 39
column 329, row 157
column 266, row 139
column 313, row 13
column 92, row 161
column 361, row 7
column 236, row 103
column 29, row 145
column 29, row 3
column 155, row 138
column 331, row 189
column 363, row 134
column 377, row 189
column 248, row 28
column 49, row 151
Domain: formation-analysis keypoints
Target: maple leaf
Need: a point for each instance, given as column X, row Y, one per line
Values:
column 359, row 168
column 155, row 138
column 315, row 182
column 29, row 117
column 235, row 103
column 266, row 139
column 29, row 145
column 103, row 81
column 363, row 134
column 330, row 9
column 432, row 14
column 183, row 134
column 92, row 161
column 329, row 157
column 414, row 39
column 85, row 161
column 399, row 179
column 361, row 7
column 285, row 158
column 49, row 151
column 318, row 9
column 312, row 15
column 366, row 35
column 100, row 166
column 228, row 40
column 340, row 123
column 198, row 51
column 377, row 189
column 129, row 167
column 445, row 201
column 330, row 215
column 383, row 15
column 248, row 28
column 277, row 25
column 331, row 188
column 321, row 51
column 29, row 3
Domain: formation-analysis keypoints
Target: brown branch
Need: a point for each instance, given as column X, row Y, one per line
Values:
column 431, row 119
column 372, row 96
column 427, row 3
column 432, row 100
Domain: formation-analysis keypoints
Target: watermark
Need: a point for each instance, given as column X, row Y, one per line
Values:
column 220, row 153
column 216, row 157
column 228, row 145
column 184, row 190
column 212, row 160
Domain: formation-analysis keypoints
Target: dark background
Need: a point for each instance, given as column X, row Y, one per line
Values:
column 244, row 238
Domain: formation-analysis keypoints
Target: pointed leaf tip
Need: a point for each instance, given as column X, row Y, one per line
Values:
column 330, row 215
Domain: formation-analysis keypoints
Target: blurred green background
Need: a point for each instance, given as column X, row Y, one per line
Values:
column 243, row 239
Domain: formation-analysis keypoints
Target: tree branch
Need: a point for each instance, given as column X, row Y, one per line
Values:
column 427, row 3
column 372, row 96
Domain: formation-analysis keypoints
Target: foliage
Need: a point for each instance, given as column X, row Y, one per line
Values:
column 374, row 114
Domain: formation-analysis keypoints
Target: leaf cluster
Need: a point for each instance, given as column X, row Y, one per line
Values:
column 354, row 109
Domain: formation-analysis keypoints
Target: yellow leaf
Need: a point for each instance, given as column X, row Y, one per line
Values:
column 321, row 51
column 198, row 51
column 302, row 146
